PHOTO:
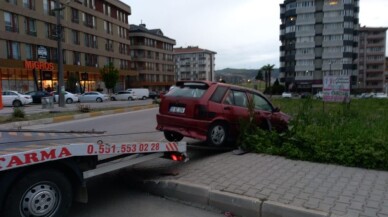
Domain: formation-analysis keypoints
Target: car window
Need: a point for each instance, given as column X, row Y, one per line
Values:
column 237, row 98
column 218, row 94
column 192, row 91
column 261, row 103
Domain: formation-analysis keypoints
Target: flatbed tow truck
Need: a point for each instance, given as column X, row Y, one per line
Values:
column 42, row 172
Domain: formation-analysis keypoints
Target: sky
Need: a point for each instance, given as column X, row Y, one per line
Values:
column 243, row 33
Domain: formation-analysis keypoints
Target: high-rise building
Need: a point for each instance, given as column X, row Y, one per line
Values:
column 94, row 33
column 152, row 58
column 194, row 63
column 318, row 38
column 371, row 75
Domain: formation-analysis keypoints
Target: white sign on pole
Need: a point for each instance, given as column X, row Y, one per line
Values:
column 336, row 88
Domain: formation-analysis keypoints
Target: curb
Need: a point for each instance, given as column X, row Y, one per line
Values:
column 64, row 118
column 226, row 202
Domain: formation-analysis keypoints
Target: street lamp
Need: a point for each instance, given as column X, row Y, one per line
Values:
column 61, row 87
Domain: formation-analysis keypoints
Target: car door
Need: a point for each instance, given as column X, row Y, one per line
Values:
column 266, row 116
column 6, row 98
column 235, row 107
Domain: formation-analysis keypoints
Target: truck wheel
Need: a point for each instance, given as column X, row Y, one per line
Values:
column 173, row 136
column 42, row 193
column 218, row 134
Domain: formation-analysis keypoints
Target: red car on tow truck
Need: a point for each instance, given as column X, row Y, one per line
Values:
column 211, row 111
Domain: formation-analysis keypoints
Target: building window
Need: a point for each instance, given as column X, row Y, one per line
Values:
column 74, row 15
column 75, row 35
column 106, row 9
column 30, row 4
column 30, row 26
column 13, row 50
column 90, row 4
column 50, row 31
column 89, row 20
column 91, row 60
column 109, row 45
column 76, row 58
column 11, row 22
column 108, row 27
column 14, row 2
column 48, row 6
column 30, row 51
column 91, row 41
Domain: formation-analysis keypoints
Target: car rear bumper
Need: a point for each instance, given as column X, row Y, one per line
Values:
column 196, row 129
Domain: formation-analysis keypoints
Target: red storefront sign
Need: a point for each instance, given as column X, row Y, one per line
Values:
column 38, row 65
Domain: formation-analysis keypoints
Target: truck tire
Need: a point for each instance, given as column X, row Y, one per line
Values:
column 40, row 193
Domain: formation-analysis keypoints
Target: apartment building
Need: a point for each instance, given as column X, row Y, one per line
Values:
column 152, row 58
column 94, row 33
column 194, row 63
column 318, row 38
column 371, row 62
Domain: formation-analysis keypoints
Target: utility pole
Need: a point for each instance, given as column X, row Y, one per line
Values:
column 61, row 87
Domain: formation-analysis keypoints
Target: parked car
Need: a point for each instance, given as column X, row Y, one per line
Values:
column 141, row 93
column 37, row 95
column 93, row 96
column 319, row 95
column 305, row 95
column 286, row 95
column 124, row 95
column 366, row 95
column 212, row 112
column 153, row 95
column 69, row 97
column 14, row 98
column 381, row 96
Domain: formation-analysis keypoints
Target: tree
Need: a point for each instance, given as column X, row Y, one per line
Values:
column 110, row 76
column 259, row 75
column 268, row 71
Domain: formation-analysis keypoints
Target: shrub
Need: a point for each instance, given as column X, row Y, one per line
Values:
column 350, row 135
column 18, row 113
column 84, row 108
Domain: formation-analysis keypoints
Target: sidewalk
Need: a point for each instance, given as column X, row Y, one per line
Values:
column 270, row 186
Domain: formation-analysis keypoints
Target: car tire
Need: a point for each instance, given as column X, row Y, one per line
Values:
column 172, row 136
column 113, row 99
column 45, row 192
column 144, row 98
column 130, row 99
column 98, row 99
column 69, row 101
column 218, row 134
column 17, row 103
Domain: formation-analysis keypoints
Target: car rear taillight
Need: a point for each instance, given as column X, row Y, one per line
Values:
column 178, row 157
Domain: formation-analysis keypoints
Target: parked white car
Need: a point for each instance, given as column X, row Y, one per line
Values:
column 14, row 98
column 124, row 95
column 93, row 96
column 319, row 95
column 69, row 97
column 286, row 95
column 381, row 96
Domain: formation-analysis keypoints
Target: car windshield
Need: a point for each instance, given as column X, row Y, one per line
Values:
column 190, row 90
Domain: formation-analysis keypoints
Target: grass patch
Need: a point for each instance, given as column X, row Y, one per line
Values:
column 354, row 134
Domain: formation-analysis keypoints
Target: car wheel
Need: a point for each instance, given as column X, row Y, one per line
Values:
column 44, row 192
column 69, row 101
column 113, row 99
column 98, row 99
column 218, row 134
column 173, row 136
column 16, row 103
column 143, row 98
column 130, row 99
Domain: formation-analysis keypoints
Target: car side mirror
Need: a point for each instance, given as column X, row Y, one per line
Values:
column 276, row 109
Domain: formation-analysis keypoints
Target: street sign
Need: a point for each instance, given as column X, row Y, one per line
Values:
column 336, row 88
column 42, row 52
